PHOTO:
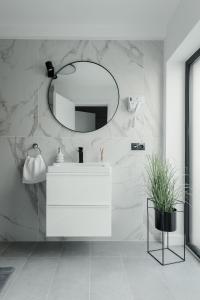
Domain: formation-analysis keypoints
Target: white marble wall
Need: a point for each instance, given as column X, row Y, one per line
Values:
column 25, row 118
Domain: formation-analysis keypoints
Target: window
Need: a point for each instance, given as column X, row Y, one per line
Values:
column 192, row 152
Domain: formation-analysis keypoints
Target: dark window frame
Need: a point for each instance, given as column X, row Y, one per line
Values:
column 188, row 65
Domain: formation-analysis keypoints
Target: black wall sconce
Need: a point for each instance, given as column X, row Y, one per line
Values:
column 50, row 70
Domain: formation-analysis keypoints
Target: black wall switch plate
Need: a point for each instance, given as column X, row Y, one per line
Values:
column 137, row 146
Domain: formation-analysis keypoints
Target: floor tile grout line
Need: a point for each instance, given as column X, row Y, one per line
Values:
column 27, row 258
column 13, row 282
column 58, row 263
column 49, row 256
column 17, row 256
column 126, row 275
column 4, row 249
column 90, row 275
column 53, row 277
column 20, row 271
column 33, row 248
column 120, row 251
column 90, row 262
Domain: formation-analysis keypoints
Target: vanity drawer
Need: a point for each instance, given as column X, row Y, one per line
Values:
column 63, row 189
column 78, row 221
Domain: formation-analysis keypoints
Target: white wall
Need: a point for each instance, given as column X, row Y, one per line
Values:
column 174, row 109
column 184, row 20
column 181, row 42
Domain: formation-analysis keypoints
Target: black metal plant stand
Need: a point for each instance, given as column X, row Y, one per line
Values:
column 164, row 248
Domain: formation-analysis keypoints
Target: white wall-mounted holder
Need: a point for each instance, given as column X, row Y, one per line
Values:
column 135, row 103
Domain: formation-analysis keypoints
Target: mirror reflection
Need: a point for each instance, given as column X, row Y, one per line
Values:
column 84, row 96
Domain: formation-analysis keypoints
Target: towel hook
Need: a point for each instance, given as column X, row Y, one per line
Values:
column 36, row 147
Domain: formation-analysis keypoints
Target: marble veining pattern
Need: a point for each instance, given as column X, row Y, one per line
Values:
column 25, row 119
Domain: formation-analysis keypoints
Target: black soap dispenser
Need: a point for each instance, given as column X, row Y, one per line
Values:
column 80, row 152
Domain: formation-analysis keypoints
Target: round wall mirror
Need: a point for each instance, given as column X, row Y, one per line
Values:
column 83, row 96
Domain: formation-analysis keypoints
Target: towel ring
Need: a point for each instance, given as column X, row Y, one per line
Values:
column 36, row 147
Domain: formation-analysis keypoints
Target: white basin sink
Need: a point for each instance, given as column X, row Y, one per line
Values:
column 88, row 167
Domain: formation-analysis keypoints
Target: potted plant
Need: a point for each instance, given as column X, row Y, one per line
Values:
column 163, row 192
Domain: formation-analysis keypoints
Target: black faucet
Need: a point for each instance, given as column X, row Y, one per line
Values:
column 80, row 153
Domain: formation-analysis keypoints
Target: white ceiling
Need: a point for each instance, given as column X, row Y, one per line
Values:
column 120, row 19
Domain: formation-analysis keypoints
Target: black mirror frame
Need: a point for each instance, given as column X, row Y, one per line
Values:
column 73, row 62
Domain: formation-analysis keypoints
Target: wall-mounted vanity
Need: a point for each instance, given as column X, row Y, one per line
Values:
column 83, row 96
column 78, row 200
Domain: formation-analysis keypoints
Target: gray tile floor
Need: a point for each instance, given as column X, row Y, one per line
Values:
column 95, row 271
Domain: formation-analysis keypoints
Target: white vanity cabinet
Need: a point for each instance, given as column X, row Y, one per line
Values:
column 78, row 200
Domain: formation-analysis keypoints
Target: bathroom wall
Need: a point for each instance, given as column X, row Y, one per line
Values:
column 25, row 118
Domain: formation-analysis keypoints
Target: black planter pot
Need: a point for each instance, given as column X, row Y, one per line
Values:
column 165, row 221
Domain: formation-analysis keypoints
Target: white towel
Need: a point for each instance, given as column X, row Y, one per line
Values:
column 34, row 170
